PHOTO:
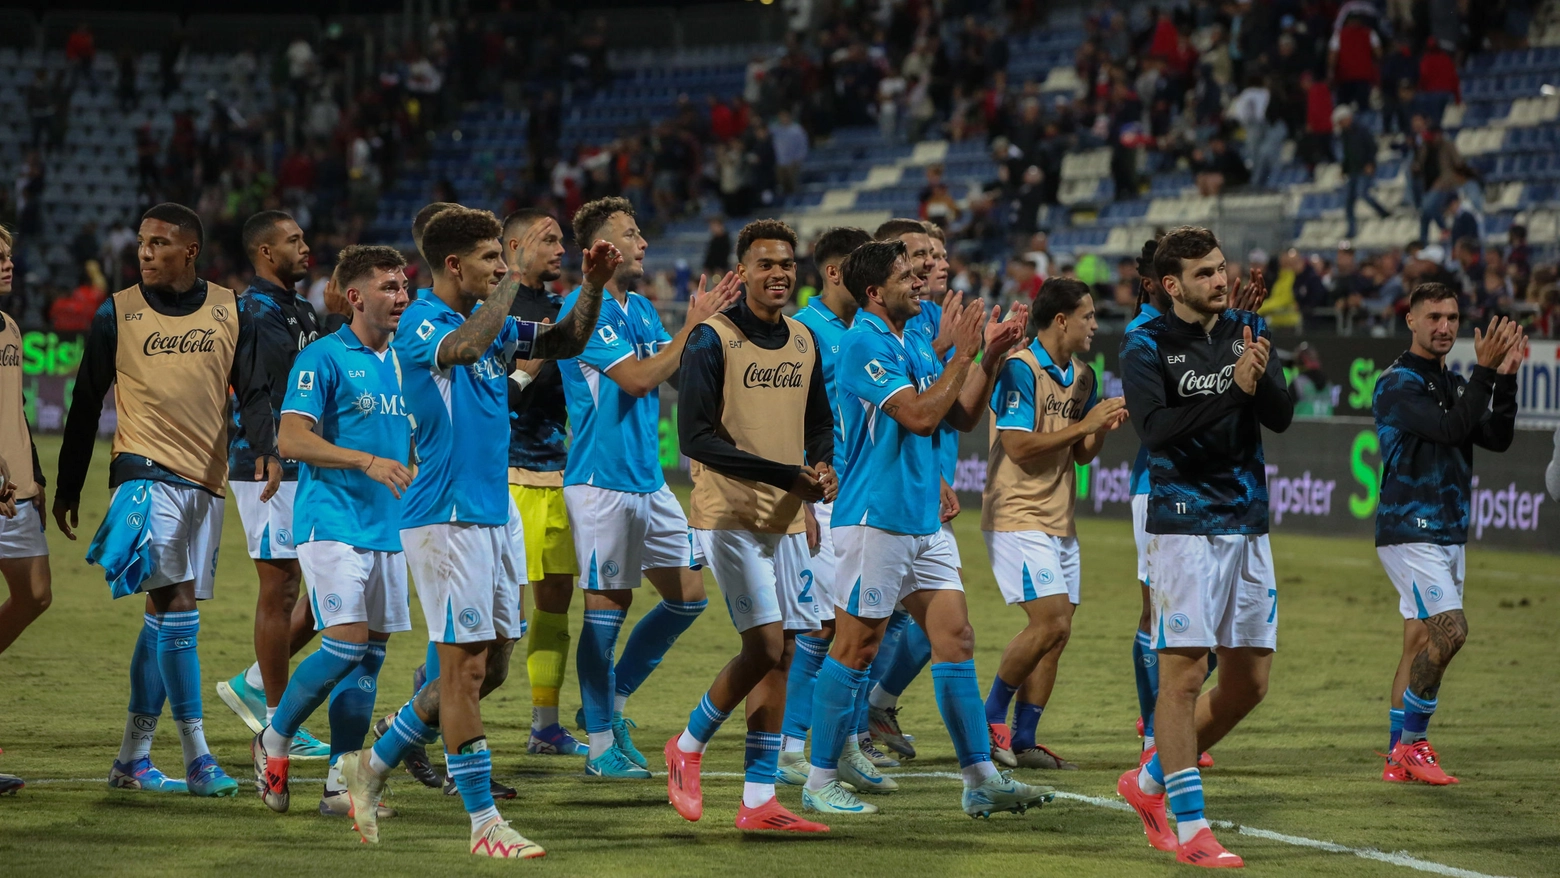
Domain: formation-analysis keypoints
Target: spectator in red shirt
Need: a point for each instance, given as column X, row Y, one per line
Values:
column 72, row 311
column 1315, row 147
column 1352, row 57
column 80, row 50
column 1438, row 72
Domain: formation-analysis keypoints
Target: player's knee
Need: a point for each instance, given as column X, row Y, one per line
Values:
column 857, row 655
column 764, row 654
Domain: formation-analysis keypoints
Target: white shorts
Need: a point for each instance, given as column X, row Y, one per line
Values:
column 1032, row 564
column 825, row 564
column 468, row 579
column 953, row 545
column 1140, row 535
column 21, row 535
column 1213, row 591
column 267, row 526
column 1428, row 577
column 878, row 569
column 347, row 584
column 618, row 535
column 765, row 578
column 185, row 528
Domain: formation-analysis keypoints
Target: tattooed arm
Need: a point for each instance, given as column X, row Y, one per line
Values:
column 470, row 341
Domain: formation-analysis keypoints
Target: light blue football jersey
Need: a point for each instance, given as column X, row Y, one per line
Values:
column 926, row 323
column 616, row 442
column 1013, row 397
column 829, row 329
column 353, row 395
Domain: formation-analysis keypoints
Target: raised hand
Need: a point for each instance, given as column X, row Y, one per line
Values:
column 967, row 330
column 531, row 253
column 1107, row 415
column 1252, row 363
column 705, row 305
column 1491, row 346
column 1249, row 295
column 1002, row 335
column 950, row 314
column 601, row 261
column 1515, row 355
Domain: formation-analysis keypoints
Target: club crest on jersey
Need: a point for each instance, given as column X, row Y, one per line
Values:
column 305, row 380
column 219, row 313
column 610, row 568
column 744, row 605
column 1193, row 384
column 1179, row 623
column 470, row 618
column 333, row 603
column 425, row 331
column 876, row 372
column 1433, row 593
column 872, row 597
column 1239, row 347
column 801, row 344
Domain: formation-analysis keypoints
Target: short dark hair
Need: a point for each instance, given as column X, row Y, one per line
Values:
column 1180, row 244
column 179, row 216
column 764, row 230
column 1058, row 295
column 358, row 261
column 838, row 243
column 425, row 216
column 870, row 265
column 258, row 228
column 1467, row 242
column 592, row 215
column 456, row 231
column 897, row 227
column 1517, row 230
column 1431, row 292
column 523, row 218
column 935, row 231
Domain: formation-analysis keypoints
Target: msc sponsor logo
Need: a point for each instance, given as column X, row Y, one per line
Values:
column 1193, row 384
column 195, row 341
column 784, row 376
column 366, row 403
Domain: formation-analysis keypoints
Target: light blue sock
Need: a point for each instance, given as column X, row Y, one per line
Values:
column 1416, row 714
column 1145, row 671
column 761, row 758
column 406, row 731
column 958, row 700
column 913, row 654
column 178, row 657
column 147, row 693
column 834, row 702
column 430, row 664
column 352, row 702
column 1155, row 769
column 1394, row 727
column 473, row 774
column 1184, row 794
column 799, row 684
column 1026, row 722
column 706, row 719
column 314, row 679
column 652, row 636
column 593, row 659
column 997, row 701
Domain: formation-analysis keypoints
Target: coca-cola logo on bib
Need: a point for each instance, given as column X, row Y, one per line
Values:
column 1070, row 408
column 10, row 355
column 781, row 376
column 1193, row 384
column 195, row 341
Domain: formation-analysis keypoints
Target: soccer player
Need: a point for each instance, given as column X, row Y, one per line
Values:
column 1429, row 419
column 170, row 346
column 1047, row 419
column 894, row 391
column 24, row 552
column 455, row 518
column 344, row 420
column 1201, row 386
column 829, row 314
column 285, row 323
column 538, row 450
column 626, row 521
column 753, row 416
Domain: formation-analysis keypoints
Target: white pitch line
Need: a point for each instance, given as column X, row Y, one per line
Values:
column 1399, row 858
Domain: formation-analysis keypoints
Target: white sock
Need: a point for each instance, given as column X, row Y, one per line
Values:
column 543, row 717
column 976, row 774
column 137, row 742
column 619, row 702
column 819, row 778
column 192, row 734
column 789, row 744
column 480, row 818
column 1147, row 784
column 253, row 678
column 273, row 741
column 270, row 712
column 863, row 738
column 687, row 743
column 1148, row 742
column 377, row 765
column 333, row 780
column 601, row 742
column 1184, row 830
column 755, row 794
column 881, row 699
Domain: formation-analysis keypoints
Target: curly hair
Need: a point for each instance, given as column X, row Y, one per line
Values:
column 764, row 230
column 1180, row 244
column 592, row 215
column 425, row 216
column 456, row 231
column 360, row 260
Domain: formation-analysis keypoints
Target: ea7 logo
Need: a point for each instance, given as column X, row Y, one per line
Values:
column 134, row 315
column 356, row 373
column 734, row 343
column 1175, row 358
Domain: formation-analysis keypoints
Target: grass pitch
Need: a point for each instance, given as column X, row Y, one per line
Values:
column 1301, row 765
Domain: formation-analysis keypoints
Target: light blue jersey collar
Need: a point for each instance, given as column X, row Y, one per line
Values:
column 1063, row 377
column 818, row 305
column 878, row 323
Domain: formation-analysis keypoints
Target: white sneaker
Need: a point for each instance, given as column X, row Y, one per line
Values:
column 857, row 770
